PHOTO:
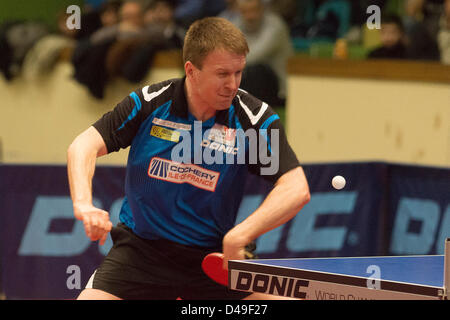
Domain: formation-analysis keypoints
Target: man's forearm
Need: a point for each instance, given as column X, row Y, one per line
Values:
column 80, row 169
column 287, row 198
column 81, row 160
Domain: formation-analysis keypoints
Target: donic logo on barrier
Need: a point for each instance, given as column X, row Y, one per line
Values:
column 176, row 172
column 38, row 240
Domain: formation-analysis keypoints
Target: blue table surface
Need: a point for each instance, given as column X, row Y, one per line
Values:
column 422, row 270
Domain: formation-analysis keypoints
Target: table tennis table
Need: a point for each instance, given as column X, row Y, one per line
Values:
column 353, row 278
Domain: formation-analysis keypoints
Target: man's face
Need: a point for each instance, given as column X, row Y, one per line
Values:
column 390, row 34
column 217, row 82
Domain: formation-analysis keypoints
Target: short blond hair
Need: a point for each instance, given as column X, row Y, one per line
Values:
column 206, row 35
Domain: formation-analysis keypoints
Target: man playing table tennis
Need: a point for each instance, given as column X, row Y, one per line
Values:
column 176, row 212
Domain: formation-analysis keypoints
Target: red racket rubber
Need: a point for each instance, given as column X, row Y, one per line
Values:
column 212, row 265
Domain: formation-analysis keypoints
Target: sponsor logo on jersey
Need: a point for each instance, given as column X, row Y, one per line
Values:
column 171, row 124
column 176, row 172
column 219, row 147
column 165, row 134
column 222, row 145
column 222, row 134
column 222, row 139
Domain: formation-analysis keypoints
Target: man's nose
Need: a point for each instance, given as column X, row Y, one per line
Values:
column 232, row 82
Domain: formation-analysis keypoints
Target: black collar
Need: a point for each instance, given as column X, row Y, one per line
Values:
column 180, row 108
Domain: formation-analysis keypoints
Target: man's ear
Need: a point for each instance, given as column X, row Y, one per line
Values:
column 189, row 69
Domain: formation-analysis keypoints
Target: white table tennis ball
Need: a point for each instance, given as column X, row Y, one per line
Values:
column 338, row 182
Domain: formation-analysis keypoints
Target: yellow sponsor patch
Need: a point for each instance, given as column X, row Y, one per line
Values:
column 165, row 134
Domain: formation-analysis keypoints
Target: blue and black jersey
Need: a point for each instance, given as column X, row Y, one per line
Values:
column 173, row 190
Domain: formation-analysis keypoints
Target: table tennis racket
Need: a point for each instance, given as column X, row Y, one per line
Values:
column 212, row 266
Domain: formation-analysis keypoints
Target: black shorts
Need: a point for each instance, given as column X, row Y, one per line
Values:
column 141, row 269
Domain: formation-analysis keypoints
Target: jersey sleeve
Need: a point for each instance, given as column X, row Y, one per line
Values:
column 119, row 126
column 275, row 155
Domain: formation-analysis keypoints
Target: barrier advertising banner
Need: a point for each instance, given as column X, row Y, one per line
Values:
column 384, row 209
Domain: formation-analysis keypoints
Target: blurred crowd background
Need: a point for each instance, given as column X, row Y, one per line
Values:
column 120, row 37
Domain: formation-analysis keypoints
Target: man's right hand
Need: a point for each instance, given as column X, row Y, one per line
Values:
column 96, row 222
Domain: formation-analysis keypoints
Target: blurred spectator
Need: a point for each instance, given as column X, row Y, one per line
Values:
column 90, row 23
column 94, row 4
column 126, row 49
column 359, row 13
column 270, row 47
column 444, row 34
column 159, row 19
column 420, row 44
column 413, row 12
column 320, row 19
column 48, row 50
column 160, row 12
column 287, row 9
column 63, row 29
column 96, row 59
column 304, row 18
column 16, row 39
column 187, row 11
column 231, row 12
column 161, row 33
column 98, row 16
column 425, row 12
column 420, row 30
column 109, row 12
column 131, row 24
column 6, row 54
column 332, row 20
column 392, row 37
column 319, row 22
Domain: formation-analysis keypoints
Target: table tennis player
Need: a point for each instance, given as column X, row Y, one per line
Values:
column 176, row 212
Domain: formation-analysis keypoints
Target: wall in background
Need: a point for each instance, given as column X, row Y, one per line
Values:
column 369, row 110
column 45, row 11
column 41, row 118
